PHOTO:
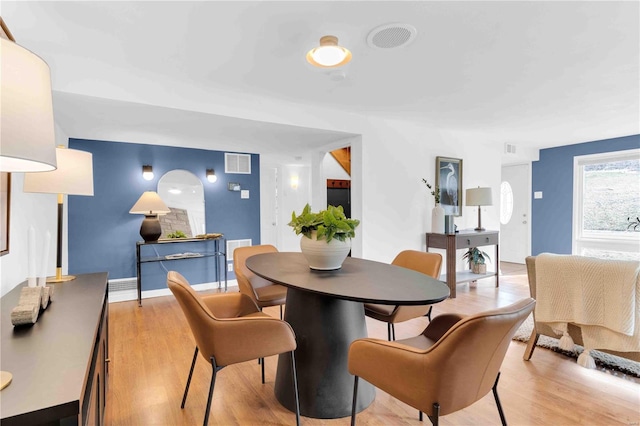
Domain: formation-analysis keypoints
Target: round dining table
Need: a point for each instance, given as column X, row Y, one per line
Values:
column 326, row 311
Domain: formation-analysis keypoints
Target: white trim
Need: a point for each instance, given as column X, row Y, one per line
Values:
column 128, row 295
column 597, row 240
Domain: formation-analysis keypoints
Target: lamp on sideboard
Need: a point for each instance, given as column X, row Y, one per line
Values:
column 150, row 205
column 28, row 139
column 74, row 176
column 479, row 197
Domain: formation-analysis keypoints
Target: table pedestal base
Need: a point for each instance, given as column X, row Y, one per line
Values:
column 324, row 327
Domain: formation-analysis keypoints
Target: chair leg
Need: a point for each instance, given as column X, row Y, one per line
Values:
column 436, row 414
column 355, row 400
column 389, row 331
column 393, row 331
column 420, row 415
column 186, row 389
column 262, row 368
column 295, row 386
column 280, row 311
column 495, row 395
column 428, row 314
column 215, row 369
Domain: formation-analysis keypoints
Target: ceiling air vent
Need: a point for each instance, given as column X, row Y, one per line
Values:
column 237, row 163
column 509, row 148
column 390, row 36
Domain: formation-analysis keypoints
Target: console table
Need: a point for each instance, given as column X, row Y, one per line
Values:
column 60, row 364
column 217, row 253
column 464, row 239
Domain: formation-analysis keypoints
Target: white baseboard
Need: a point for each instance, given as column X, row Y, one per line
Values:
column 128, row 295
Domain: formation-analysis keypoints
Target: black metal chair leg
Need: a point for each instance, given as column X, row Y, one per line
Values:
column 495, row 395
column 295, row 387
column 389, row 331
column 355, row 400
column 420, row 415
column 436, row 414
column 428, row 314
column 393, row 331
column 280, row 311
column 262, row 368
column 213, row 383
column 186, row 389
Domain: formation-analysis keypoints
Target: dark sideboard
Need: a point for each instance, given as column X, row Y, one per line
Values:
column 60, row 364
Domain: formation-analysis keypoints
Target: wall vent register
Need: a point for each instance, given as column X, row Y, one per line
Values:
column 237, row 163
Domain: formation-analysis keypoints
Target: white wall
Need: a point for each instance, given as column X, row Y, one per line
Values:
column 39, row 211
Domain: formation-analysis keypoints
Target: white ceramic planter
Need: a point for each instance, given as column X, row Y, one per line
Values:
column 324, row 256
column 437, row 219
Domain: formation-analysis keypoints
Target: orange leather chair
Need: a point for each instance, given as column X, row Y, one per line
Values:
column 428, row 264
column 452, row 364
column 228, row 329
column 263, row 292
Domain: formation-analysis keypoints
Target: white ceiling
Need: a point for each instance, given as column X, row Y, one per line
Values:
column 537, row 74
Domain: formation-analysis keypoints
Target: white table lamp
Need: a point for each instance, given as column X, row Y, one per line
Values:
column 479, row 197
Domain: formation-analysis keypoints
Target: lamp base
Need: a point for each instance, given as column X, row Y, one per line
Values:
column 150, row 230
column 478, row 229
column 5, row 379
column 59, row 278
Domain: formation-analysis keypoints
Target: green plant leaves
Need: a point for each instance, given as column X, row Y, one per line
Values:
column 329, row 224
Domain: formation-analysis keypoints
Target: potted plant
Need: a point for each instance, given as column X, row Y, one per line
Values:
column 326, row 236
column 476, row 259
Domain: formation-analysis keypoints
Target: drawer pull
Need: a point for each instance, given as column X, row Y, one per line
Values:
column 468, row 241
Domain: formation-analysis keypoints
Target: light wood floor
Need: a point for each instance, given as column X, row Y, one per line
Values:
column 151, row 349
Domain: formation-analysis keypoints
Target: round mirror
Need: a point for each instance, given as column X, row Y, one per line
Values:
column 183, row 193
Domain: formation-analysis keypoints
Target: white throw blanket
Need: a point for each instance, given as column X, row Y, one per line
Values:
column 602, row 296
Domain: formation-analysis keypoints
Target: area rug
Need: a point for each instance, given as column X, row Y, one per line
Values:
column 603, row 360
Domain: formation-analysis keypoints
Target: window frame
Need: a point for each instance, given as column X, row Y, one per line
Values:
column 599, row 240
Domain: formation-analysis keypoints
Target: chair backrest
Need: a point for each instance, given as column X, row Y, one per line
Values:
column 247, row 280
column 464, row 363
column 201, row 320
column 421, row 261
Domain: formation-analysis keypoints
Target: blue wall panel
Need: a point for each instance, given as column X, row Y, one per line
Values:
column 552, row 216
column 103, row 235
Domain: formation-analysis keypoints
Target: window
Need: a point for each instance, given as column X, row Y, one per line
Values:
column 606, row 197
column 506, row 202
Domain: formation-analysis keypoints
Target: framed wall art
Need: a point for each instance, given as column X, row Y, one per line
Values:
column 5, row 202
column 449, row 180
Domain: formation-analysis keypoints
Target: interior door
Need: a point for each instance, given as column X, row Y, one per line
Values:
column 515, row 195
column 269, row 206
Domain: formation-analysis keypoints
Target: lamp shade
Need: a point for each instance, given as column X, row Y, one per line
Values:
column 479, row 197
column 149, row 203
column 74, row 175
column 27, row 138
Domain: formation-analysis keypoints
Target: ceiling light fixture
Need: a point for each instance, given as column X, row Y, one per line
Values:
column 329, row 54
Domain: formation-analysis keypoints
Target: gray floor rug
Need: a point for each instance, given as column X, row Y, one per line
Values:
column 603, row 360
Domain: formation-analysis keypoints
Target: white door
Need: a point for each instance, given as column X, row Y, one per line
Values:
column 515, row 196
column 269, row 206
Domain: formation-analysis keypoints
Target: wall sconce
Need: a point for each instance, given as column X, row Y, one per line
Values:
column 147, row 172
column 211, row 175
column 294, row 181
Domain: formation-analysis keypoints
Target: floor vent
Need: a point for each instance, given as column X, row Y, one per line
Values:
column 123, row 284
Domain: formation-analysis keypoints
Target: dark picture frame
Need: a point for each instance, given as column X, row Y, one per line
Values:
column 5, row 202
column 449, row 181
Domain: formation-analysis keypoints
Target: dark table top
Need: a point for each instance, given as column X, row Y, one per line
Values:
column 49, row 360
column 358, row 280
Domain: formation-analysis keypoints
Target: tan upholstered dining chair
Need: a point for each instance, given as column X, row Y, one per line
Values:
column 228, row 329
column 428, row 264
column 263, row 292
column 452, row 364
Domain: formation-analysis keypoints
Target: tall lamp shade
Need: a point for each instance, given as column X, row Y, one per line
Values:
column 74, row 176
column 479, row 197
column 150, row 205
column 27, row 138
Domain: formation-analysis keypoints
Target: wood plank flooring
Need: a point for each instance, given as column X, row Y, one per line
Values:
column 151, row 348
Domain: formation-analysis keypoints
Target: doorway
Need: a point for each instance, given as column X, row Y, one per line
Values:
column 515, row 208
column 339, row 194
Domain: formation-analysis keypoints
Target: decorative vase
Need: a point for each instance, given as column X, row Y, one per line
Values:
column 437, row 219
column 323, row 256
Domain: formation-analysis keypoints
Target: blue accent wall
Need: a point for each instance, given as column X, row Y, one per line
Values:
column 552, row 216
column 103, row 234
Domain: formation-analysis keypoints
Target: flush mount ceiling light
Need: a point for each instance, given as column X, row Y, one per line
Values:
column 328, row 54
